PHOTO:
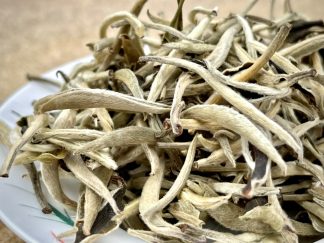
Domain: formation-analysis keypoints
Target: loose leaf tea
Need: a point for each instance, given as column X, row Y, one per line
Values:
column 216, row 134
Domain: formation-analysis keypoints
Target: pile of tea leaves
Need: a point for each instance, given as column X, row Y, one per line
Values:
column 208, row 131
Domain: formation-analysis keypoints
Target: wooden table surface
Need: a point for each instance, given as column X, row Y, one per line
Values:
column 39, row 35
column 7, row 236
